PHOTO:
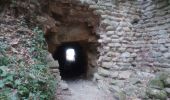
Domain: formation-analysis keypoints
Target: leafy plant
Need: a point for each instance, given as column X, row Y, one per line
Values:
column 4, row 61
column 27, row 81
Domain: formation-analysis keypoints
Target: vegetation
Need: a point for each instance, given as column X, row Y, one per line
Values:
column 21, row 79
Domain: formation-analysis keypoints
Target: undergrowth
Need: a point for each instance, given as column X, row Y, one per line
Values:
column 20, row 80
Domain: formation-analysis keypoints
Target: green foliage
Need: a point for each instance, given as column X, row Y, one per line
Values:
column 35, row 83
column 27, row 82
column 39, row 45
column 3, row 47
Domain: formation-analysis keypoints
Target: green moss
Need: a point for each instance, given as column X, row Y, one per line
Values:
column 162, row 76
column 156, row 83
column 156, row 94
column 120, row 95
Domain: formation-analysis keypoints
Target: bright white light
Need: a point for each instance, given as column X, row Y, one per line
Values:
column 70, row 54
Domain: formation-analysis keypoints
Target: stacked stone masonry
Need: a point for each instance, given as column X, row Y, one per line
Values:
column 134, row 43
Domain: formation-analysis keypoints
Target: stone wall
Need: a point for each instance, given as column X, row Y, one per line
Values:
column 134, row 37
column 154, row 30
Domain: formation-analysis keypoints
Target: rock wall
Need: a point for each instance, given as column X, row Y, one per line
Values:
column 134, row 39
column 155, row 38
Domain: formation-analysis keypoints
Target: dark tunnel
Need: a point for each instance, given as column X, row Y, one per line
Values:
column 72, row 68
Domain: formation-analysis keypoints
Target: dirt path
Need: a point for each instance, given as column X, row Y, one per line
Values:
column 83, row 90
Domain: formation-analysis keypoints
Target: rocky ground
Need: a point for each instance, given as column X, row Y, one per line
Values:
column 82, row 90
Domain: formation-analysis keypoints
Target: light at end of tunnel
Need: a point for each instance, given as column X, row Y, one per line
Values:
column 70, row 54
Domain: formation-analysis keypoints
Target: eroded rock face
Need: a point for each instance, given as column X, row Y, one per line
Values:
column 71, row 33
column 67, row 22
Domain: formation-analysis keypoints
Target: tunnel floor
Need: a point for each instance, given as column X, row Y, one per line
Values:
column 71, row 69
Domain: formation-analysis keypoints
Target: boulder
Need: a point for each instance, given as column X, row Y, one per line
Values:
column 167, row 82
column 125, row 74
column 156, row 83
column 103, row 72
column 168, row 91
column 107, row 65
column 120, row 96
column 156, row 94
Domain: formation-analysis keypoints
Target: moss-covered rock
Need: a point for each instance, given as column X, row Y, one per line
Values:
column 162, row 76
column 120, row 95
column 156, row 94
column 167, row 82
column 168, row 91
column 156, row 83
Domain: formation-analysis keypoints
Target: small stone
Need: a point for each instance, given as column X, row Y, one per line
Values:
column 156, row 83
column 133, row 55
column 100, row 40
column 161, row 41
column 114, row 88
column 155, row 54
column 55, row 70
column 113, row 82
column 167, row 82
column 107, row 65
column 156, row 94
column 125, row 55
column 117, row 82
column 103, row 72
column 53, row 64
column 106, row 58
column 41, row 19
column 125, row 74
column 167, row 55
column 110, row 28
column 126, row 29
column 120, row 96
column 135, row 81
column 123, row 24
column 109, row 33
column 167, row 91
column 162, row 32
column 97, row 77
column 114, row 44
column 63, row 85
column 114, row 74
column 122, row 49
column 163, row 48
column 49, row 58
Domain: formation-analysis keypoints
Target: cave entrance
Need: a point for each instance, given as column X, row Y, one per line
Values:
column 72, row 59
column 72, row 27
column 74, row 45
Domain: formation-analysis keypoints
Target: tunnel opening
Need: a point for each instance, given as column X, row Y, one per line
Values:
column 72, row 59
column 72, row 28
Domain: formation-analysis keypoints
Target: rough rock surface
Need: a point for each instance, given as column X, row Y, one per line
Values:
column 83, row 90
column 134, row 42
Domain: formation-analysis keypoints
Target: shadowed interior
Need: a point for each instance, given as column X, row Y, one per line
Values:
column 71, row 69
